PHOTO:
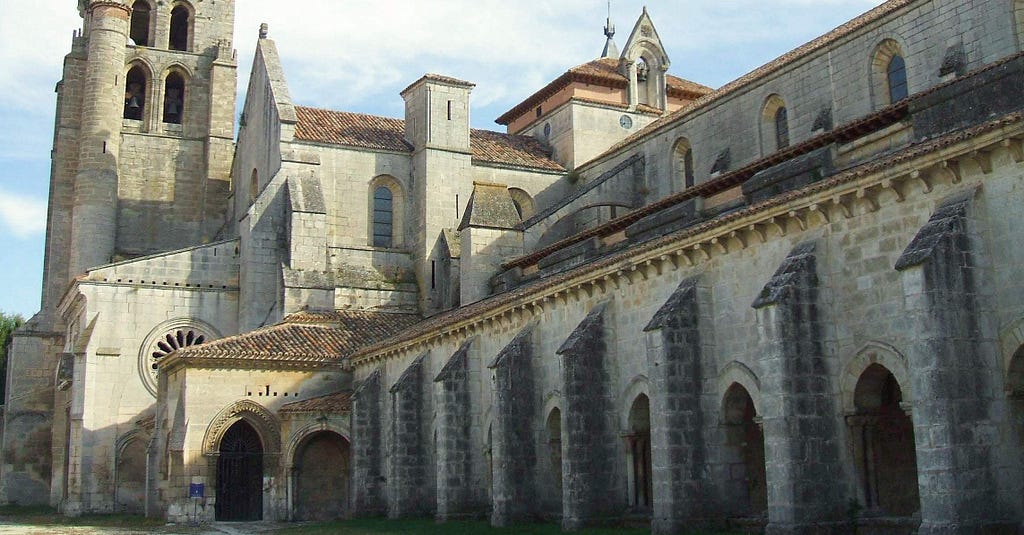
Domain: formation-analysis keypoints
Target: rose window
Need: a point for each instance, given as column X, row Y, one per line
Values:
column 172, row 342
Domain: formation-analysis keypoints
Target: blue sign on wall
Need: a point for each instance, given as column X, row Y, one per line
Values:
column 196, row 490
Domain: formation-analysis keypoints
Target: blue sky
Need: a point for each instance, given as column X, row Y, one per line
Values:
column 358, row 54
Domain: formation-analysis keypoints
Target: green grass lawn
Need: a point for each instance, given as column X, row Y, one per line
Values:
column 429, row 527
column 46, row 516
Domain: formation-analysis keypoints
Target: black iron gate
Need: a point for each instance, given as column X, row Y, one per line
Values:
column 240, row 475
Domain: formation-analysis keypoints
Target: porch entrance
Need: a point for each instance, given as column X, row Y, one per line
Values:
column 240, row 475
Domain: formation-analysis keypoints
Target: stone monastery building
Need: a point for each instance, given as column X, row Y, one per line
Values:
column 794, row 303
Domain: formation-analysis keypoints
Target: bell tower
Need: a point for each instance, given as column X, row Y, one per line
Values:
column 144, row 134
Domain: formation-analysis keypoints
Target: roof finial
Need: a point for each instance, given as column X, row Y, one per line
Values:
column 264, row 30
column 610, row 49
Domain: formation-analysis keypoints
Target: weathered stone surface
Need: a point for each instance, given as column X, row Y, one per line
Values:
column 513, row 450
column 957, row 445
column 454, row 458
column 682, row 493
column 588, row 453
column 801, row 436
column 368, row 482
column 407, row 459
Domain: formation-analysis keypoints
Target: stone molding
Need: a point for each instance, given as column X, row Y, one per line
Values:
column 264, row 421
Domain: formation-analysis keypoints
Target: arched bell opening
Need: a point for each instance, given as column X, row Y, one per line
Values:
column 240, row 474
column 135, row 91
column 882, row 442
column 174, row 98
column 746, row 482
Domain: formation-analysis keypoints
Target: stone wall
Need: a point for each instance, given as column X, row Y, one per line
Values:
column 827, row 306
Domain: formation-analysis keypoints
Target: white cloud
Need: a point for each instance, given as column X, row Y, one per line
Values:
column 22, row 215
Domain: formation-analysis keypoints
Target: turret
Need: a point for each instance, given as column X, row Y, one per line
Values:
column 94, row 218
column 437, row 127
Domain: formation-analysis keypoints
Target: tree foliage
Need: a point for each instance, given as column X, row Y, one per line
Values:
column 8, row 324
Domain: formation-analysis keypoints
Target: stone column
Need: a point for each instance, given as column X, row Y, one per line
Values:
column 408, row 460
column 368, row 487
column 454, row 458
column 953, row 365
column 514, row 441
column 678, row 449
column 805, row 475
column 588, row 444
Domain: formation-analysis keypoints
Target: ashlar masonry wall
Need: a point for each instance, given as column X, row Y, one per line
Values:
column 793, row 311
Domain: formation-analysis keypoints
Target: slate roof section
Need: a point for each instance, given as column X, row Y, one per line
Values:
column 339, row 402
column 603, row 72
column 305, row 337
column 384, row 133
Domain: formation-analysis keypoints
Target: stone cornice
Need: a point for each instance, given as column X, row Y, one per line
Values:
column 867, row 187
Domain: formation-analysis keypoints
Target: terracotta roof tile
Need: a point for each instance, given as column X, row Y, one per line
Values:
column 524, row 151
column 384, row 133
column 448, row 80
column 332, row 403
column 350, row 129
column 306, row 338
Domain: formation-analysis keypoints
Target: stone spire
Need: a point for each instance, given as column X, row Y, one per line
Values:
column 610, row 49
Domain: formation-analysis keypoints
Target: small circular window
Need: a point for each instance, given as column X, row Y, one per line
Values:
column 172, row 342
column 165, row 340
column 626, row 122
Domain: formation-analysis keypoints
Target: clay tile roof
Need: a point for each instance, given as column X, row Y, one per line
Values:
column 306, row 337
column 331, row 403
column 440, row 78
column 350, row 129
column 525, row 151
column 384, row 133
column 603, row 72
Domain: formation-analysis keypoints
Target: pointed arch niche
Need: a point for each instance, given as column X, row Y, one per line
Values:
column 260, row 418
